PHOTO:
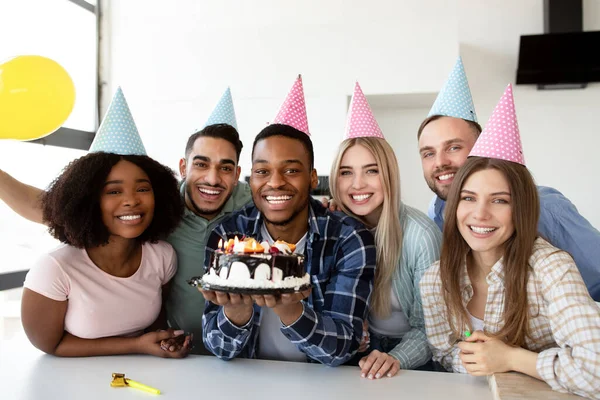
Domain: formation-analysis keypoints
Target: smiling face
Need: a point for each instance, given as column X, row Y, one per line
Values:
column 444, row 145
column 359, row 182
column 211, row 173
column 484, row 213
column 127, row 201
column 281, row 180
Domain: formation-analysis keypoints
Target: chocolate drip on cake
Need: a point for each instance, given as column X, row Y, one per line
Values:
column 289, row 265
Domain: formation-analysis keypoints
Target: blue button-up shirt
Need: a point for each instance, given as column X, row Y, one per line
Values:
column 340, row 258
column 560, row 224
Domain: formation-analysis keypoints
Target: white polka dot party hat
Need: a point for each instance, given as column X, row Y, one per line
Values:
column 500, row 138
column 118, row 133
column 224, row 112
column 455, row 100
column 360, row 121
column 293, row 109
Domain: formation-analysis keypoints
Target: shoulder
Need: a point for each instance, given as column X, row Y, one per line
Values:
column 416, row 224
column 159, row 249
column 431, row 282
column 63, row 256
column 552, row 200
column 241, row 195
column 549, row 262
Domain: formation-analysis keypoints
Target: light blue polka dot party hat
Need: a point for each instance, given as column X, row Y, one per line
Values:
column 118, row 133
column 223, row 112
column 455, row 100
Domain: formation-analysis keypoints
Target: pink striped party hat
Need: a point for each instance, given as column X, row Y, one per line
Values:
column 360, row 121
column 293, row 109
column 500, row 138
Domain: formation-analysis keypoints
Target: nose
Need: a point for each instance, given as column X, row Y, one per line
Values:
column 131, row 198
column 441, row 160
column 358, row 182
column 481, row 211
column 276, row 180
column 213, row 177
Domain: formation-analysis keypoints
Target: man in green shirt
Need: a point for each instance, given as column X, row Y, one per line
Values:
column 211, row 190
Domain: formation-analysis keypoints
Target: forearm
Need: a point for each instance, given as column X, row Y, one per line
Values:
column 223, row 338
column 23, row 199
column 328, row 340
column 413, row 351
column 525, row 362
column 73, row 346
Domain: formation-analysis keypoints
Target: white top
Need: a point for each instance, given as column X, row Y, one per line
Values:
column 272, row 344
column 100, row 304
column 476, row 323
column 396, row 325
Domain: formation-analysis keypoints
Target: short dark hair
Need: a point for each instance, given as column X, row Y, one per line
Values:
column 220, row 131
column 474, row 125
column 289, row 132
column 71, row 204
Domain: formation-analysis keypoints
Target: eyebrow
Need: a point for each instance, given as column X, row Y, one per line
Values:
column 290, row 161
column 492, row 194
column 207, row 159
column 364, row 166
column 120, row 182
column 446, row 143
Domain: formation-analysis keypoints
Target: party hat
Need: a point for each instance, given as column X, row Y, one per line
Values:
column 118, row 133
column 360, row 121
column 500, row 137
column 293, row 110
column 223, row 112
column 455, row 100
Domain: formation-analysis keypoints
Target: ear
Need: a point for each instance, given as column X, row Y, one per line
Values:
column 182, row 167
column 237, row 175
column 314, row 179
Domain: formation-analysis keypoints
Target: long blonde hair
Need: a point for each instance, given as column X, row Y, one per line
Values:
column 388, row 233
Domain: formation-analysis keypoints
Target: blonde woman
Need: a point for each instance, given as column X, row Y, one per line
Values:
column 365, row 184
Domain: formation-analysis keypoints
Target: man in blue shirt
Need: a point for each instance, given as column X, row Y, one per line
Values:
column 324, row 324
column 445, row 139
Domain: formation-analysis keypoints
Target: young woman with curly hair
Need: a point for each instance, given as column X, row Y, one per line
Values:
column 98, row 292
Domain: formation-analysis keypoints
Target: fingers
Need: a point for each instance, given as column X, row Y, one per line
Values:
column 265, row 300
column 168, row 334
column 386, row 368
column 368, row 364
column 469, row 348
column 394, row 370
column 325, row 202
column 209, row 295
column 379, row 361
column 477, row 336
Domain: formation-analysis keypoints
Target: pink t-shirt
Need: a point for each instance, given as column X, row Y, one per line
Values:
column 102, row 305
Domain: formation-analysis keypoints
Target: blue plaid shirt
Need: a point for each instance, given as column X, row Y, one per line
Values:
column 340, row 257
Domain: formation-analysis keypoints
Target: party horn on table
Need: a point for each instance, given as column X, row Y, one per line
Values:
column 119, row 380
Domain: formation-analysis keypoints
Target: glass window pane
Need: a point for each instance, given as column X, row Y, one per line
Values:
column 64, row 32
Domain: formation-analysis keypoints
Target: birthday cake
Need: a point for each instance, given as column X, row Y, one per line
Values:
column 248, row 267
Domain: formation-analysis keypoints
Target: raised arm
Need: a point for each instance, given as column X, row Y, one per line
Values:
column 23, row 199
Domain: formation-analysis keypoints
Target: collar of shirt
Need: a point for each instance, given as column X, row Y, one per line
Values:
column 495, row 277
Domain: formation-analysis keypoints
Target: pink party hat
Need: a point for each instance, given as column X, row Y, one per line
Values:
column 500, row 138
column 293, row 110
column 360, row 121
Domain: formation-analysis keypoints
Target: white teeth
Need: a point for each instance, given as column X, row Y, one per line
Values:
column 208, row 191
column 361, row 197
column 445, row 177
column 129, row 217
column 480, row 230
column 278, row 199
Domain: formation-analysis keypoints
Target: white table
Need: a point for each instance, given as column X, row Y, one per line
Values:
column 26, row 373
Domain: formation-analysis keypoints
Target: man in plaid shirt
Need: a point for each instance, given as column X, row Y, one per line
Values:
column 324, row 324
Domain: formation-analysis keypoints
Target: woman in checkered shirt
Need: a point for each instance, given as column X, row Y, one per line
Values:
column 523, row 300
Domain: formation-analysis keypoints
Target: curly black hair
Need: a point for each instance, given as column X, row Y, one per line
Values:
column 71, row 204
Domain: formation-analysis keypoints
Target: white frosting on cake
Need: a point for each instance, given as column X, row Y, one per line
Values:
column 239, row 247
column 289, row 282
column 238, row 271
column 262, row 272
column 282, row 247
column 277, row 275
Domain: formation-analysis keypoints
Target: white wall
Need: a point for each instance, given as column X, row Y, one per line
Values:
column 174, row 61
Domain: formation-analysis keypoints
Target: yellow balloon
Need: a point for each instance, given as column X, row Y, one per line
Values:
column 36, row 97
